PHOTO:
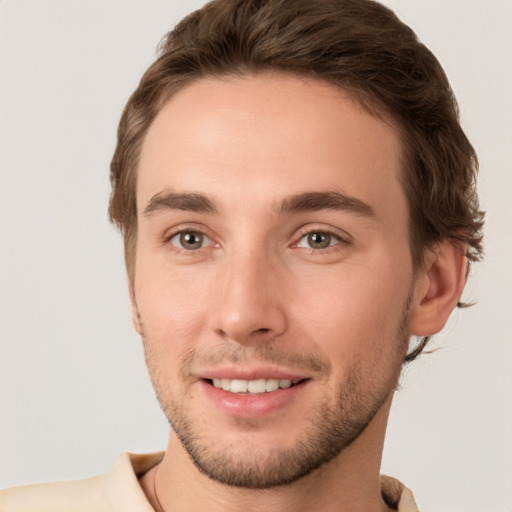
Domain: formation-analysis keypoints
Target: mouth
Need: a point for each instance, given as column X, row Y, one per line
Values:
column 259, row 395
column 253, row 387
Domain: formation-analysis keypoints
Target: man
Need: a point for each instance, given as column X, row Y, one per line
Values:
column 297, row 201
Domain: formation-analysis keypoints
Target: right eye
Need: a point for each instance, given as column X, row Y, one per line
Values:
column 190, row 240
column 318, row 240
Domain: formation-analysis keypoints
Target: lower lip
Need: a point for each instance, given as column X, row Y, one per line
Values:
column 251, row 406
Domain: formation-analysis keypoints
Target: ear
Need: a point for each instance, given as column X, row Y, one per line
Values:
column 134, row 310
column 438, row 288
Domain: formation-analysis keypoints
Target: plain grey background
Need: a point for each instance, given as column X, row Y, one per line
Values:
column 74, row 392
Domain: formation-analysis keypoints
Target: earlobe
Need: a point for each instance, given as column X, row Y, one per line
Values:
column 438, row 288
column 134, row 310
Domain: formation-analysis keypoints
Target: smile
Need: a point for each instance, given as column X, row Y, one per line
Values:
column 253, row 387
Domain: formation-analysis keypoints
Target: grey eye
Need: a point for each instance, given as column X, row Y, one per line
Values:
column 189, row 240
column 317, row 240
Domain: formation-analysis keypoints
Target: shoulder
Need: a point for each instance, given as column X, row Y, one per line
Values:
column 396, row 495
column 117, row 490
column 77, row 496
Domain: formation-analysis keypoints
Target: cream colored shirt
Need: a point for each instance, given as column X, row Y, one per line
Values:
column 119, row 491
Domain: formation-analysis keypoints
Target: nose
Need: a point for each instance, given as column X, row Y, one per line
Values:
column 249, row 306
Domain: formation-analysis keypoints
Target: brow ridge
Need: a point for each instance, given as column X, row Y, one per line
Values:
column 332, row 200
column 191, row 202
column 303, row 202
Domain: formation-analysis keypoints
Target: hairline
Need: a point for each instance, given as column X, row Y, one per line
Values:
column 369, row 103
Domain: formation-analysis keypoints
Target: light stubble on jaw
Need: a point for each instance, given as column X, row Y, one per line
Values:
column 330, row 427
column 327, row 432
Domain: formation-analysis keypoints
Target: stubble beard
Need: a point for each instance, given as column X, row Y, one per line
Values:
column 331, row 427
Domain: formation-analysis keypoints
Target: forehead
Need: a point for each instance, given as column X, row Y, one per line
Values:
column 266, row 136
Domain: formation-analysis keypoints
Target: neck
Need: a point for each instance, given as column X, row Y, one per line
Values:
column 349, row 482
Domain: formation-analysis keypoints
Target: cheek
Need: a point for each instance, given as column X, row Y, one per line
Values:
column 172, row 306
column 354, row 309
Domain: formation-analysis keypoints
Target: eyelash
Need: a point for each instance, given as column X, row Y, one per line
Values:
column 342, row 241
column 184, row 231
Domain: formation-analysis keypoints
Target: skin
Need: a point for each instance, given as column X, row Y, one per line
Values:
column 254, row 296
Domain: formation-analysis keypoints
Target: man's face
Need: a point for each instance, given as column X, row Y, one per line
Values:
column 273, row 275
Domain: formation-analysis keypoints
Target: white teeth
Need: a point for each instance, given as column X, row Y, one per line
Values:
column 271, row 384
column 252, row 386
column 239, row 386
column 256, row 386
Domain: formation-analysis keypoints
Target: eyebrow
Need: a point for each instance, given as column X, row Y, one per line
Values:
column 173, row 201
column 304, row 202
column 315, row 201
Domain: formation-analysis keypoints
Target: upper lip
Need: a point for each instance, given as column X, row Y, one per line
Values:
column 250, row 373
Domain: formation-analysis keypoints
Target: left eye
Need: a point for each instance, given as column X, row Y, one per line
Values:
column 318, row 240
column 190, row 240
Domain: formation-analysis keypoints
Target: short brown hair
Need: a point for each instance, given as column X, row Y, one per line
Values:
column 358, row 45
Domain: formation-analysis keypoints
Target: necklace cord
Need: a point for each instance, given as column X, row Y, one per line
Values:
column 160, row 508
